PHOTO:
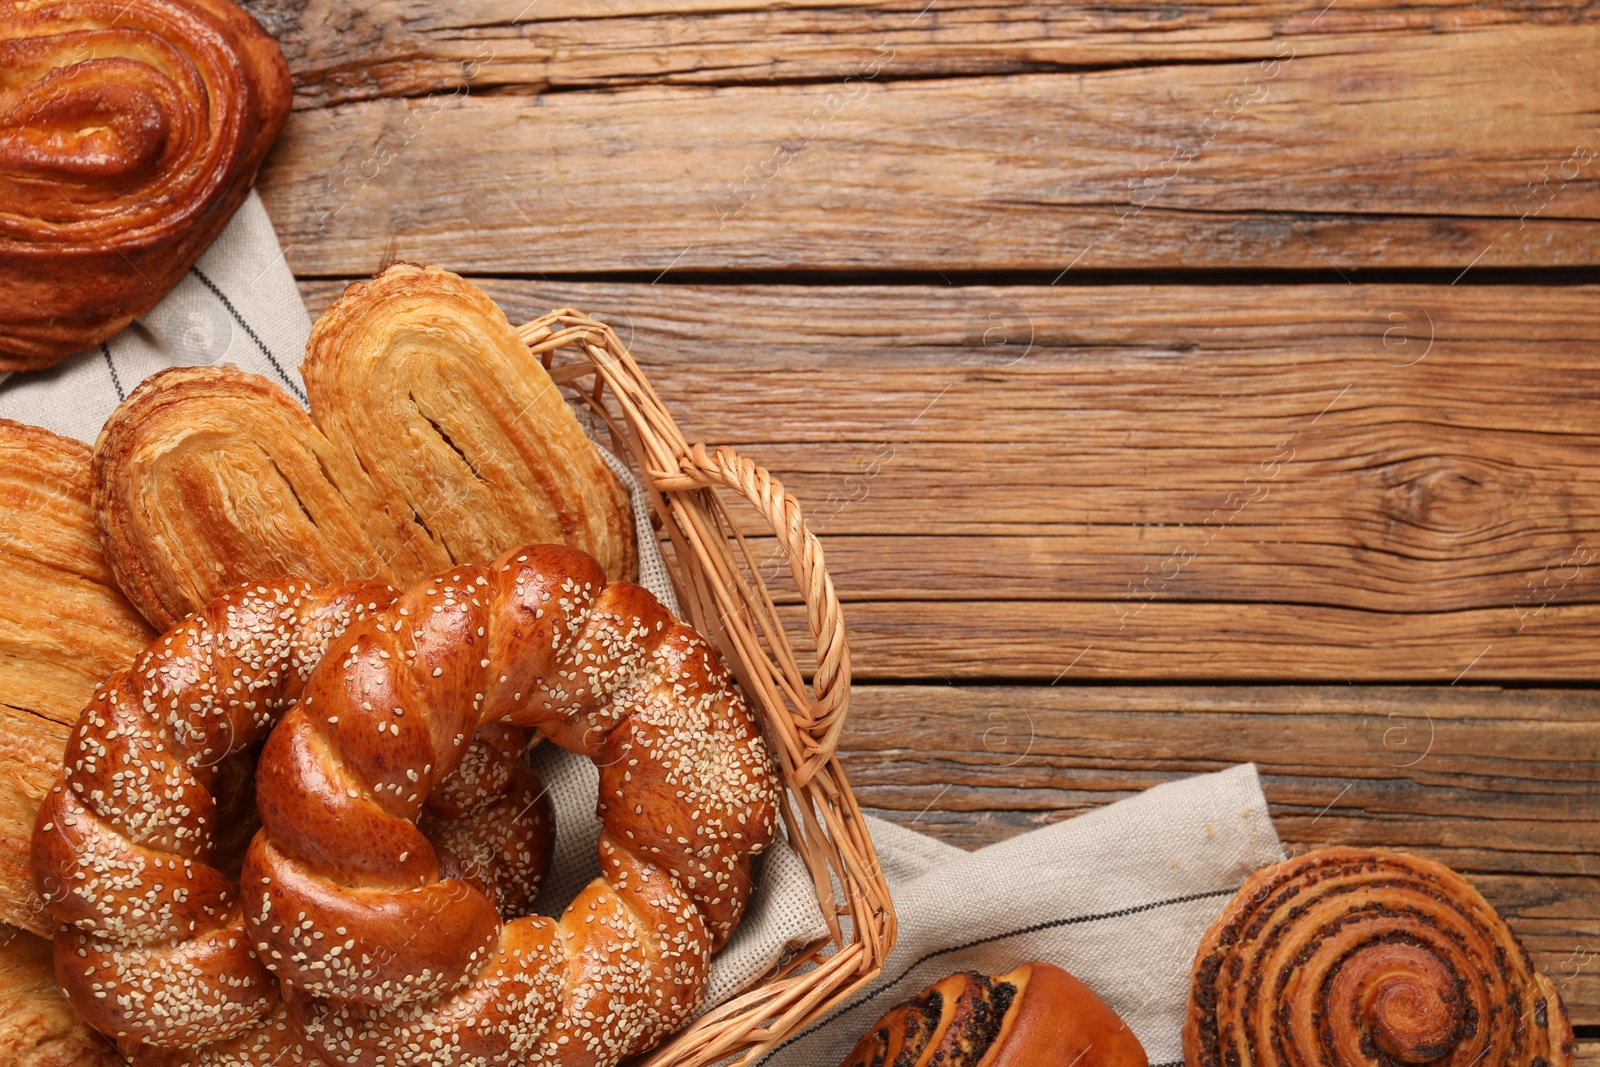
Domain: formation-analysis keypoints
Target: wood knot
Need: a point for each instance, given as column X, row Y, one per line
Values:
column 1451, row 495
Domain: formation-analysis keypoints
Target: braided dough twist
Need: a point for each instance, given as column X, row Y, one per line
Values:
column 385, row 957
column 153, row 945
column 132, row 845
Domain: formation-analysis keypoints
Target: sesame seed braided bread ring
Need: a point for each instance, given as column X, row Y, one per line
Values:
column 1351, row 957
column 385, row 964
column 130, row 857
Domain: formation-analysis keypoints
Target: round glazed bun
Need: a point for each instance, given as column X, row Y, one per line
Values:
column 1036, row 1016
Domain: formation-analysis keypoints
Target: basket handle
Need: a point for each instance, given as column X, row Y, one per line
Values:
column 672, row 466
column 699, row 469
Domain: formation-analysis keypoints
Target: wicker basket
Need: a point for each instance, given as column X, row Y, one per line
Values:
column 721, row 590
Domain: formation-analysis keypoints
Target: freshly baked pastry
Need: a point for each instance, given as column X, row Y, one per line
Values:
column 130, row 130
column 420, row 375
column 30, row 761
column 1036, row 1016
column 1348, row 957
column 342, row 899
column 63, row 628
column 434, row 438
column 38, row 1028
column 208, row 477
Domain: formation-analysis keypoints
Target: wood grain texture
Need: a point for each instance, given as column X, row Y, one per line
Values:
column 410, row 47
column 994, row 511
column 1369, row 150
column 1501, row 785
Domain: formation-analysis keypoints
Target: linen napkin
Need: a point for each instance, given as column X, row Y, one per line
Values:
column 1119, row 897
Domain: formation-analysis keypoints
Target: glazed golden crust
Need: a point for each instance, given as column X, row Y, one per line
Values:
column 63, row 627
column 38, row 1028
column 130, row 130
column 139, row 801
column 124, row 845
column 419, row 374
column 1056, row 1019
column 208, row 477
column 383, row 958
column 1347, row 957
column 687, row 795
column 1036, row 1016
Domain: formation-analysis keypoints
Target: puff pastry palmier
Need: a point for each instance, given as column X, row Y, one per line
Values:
column 63, row 627
column 130, row 130
column 208, row 477
column 434, row 438
column 420, row 374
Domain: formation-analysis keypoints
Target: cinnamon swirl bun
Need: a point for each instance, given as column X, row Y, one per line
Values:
column 1351, row 957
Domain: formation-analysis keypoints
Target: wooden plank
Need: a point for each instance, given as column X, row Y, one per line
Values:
column 340, row 52
column 973, row 641
column 1502, row 785
column 1421, row 519
column 1369, row 150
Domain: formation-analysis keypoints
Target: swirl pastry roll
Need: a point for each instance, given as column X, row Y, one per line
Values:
column 1036, row 1016
column 130, row 130
column 1352, row 957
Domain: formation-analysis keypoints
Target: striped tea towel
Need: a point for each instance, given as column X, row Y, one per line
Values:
column 1119, row 897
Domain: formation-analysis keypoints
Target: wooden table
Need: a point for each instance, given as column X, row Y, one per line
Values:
column 1172, row 387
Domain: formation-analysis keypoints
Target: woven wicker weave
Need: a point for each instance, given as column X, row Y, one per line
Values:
column 720, row 587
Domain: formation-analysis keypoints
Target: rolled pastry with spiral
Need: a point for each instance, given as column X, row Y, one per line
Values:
column 1036, row 1016
column 130, row 130
column 1349, row 957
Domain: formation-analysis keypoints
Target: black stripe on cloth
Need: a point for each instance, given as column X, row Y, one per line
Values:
column 116, row 382
column 1072, row 920
column 209, row 284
